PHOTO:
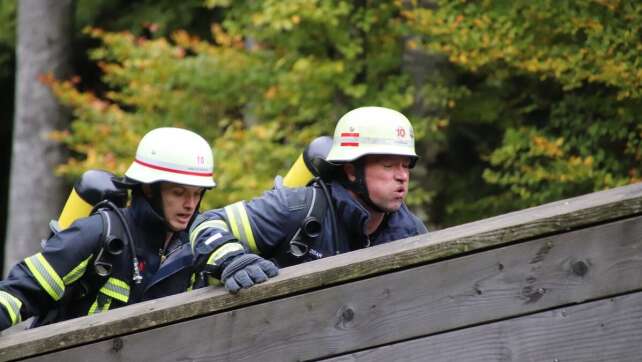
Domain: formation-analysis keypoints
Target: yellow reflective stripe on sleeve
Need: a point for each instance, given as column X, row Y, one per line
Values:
column 222, row 251
column 116, row 289
column 12, row 305
column 76, row 272
column 219, row 224
column 213, row 281
column 240, row 224
column 46, row 276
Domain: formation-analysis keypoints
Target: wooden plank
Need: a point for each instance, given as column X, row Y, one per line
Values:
column 604, row 330
column 523, row 278
column 551, row 218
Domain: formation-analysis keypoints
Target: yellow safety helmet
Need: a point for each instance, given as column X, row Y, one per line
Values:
column 175, row 155
column 372, row 130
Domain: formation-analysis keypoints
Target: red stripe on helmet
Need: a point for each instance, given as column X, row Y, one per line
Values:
column 350, row 144
column 350, row 135
column 191, row 173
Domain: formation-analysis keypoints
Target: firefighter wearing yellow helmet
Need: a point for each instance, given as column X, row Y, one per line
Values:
column 119, row 256
column 358, row 202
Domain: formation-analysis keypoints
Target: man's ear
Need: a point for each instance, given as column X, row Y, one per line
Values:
column 350, row 172
column 147, row 190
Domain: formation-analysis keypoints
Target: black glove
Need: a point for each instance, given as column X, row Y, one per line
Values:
column 245, row 270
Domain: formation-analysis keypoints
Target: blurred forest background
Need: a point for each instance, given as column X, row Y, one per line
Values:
column 514, row 103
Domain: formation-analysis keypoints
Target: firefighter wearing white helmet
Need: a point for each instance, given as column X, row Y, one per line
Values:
column 381, row 133
column 119, row 256
column 360, row 205
column 372, row 131
column 173, row 155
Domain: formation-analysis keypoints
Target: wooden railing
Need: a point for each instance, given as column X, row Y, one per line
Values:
column 557, row 282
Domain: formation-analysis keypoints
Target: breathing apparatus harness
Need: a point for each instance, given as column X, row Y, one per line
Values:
column 310, row 169
column 312, row 225
column 113, row 243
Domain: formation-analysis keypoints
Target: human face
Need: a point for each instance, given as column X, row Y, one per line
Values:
column 179, row 204
column 387, row 179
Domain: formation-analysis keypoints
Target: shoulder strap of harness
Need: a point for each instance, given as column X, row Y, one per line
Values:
column 115, row 243
column 311, row 227
column 112, row 243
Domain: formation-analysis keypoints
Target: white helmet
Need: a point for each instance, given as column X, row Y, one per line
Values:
column 372, row 130
column 175, row 155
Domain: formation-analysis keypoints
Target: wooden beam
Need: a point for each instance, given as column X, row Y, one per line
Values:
column 587, row 264
column 547, row 219
column 604, row 330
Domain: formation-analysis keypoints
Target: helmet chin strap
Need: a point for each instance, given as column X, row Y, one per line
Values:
column 359, row 186
column 157, row 200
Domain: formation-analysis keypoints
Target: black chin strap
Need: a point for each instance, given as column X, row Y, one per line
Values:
column 359, row 187
column 156, row 200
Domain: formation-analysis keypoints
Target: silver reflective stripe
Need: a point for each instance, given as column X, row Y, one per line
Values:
column 380, row 141
column 12, row 305
column 240, row 224
column 77, row 272
column 217, row 224
column 101, row 304
column 116, row 289
column 46, row 276
column 223, row 251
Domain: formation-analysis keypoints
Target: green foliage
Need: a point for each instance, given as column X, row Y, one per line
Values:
column 553, row 87
column 275, row 76
column 572, row 42
column 7, row 36
column 159, row 16
column 525, row 102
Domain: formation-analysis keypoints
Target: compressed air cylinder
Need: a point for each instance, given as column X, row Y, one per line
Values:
column 92, row 187
column 307, row 165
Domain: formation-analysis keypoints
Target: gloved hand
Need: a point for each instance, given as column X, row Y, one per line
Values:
column 245, row 270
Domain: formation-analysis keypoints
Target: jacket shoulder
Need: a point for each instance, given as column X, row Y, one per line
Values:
column 291, row 198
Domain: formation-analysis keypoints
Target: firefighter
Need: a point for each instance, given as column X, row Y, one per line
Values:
column 117, row 257
column 371, row 156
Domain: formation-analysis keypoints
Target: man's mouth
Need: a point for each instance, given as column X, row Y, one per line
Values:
column 183, row 218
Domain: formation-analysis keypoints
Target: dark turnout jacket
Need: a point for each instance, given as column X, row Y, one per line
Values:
column 60, row 282
column 265, row 225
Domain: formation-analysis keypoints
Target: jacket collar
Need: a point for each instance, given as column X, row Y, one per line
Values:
column 349, row 211
column 146, row 219
column 354, row 216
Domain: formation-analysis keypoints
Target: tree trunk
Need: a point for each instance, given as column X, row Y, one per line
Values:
column 36, row 195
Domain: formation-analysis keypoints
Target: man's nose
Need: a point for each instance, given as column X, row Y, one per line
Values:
column 191, row 201
column 402, row 173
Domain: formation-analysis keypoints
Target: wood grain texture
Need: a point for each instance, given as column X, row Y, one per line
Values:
column 502, row 283
column 557, row 217
column 604, row 330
